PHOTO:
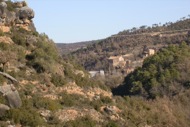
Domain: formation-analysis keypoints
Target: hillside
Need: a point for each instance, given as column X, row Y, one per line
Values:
column 40, row 89
column 65, row 48
column 163, row 74
column 133, row 41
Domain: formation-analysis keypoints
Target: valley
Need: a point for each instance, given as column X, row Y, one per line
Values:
column 136, row 78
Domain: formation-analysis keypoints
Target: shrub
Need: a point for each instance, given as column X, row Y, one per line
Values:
column 2, row 79
column 46, row 103
column 1, row 33
column 4, row 46
column 111, row 124
column 19, row 39
column 10, row 5
column 58, row 80
column 81, row 122
column 25, row 117
column 70, row 100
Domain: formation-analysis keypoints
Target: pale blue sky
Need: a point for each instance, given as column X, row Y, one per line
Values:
column 82, row 20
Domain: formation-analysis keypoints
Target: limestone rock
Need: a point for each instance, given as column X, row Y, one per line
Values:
column 4, row 29
column 20, row 4
column 111, row 109
column 14, row 99
column 5, row 39
column 12, row 95
column 45, row 113
column 20, row 17
column 3, row 109
column 26, row 13
column 3, row 6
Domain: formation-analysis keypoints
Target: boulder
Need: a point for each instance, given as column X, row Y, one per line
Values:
column 12, row 95
column 14, row 99
column 111, row 109
column 3, row 6
column 26, row 13
column 3, row 109
column 20, row 17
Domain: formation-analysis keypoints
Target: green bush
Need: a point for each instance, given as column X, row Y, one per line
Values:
column 1, row 33
column 111, row 124
column 70, row 100
column 4, row 46
column 10, row 5
column 43, row 57
column 19, row 39
column 2, row 79
column 25, row 117
column 46, row 103
column 2, row 99
column 81, row 122
column 58, row 80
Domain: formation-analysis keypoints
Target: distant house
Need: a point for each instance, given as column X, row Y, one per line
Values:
column 127, row 58
column 97, row 73
column 102, row 73
column 93, row 73
column 116, row 61
column 148, row 52
column 120, row 61
column 151, row 52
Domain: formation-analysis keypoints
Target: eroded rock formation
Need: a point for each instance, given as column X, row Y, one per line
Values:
column 21, row 16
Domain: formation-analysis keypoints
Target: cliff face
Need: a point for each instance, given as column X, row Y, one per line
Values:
column 16, row 14
column 11, row 15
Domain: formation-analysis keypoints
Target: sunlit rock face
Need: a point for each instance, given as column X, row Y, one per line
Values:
column 16, row 14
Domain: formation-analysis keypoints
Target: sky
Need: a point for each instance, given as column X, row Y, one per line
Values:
column 68, row 21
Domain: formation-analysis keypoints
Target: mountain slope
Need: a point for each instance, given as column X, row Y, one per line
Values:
column 42, row 89
column 164, row 74
column 66, row 48
column 45, row 84
column 95, row 56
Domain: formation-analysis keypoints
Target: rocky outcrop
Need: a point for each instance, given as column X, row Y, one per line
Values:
column 12, row 95
column 3, row 109
column 20, row 4
column 3, row 6
column 21, row 17
column 25, row 13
